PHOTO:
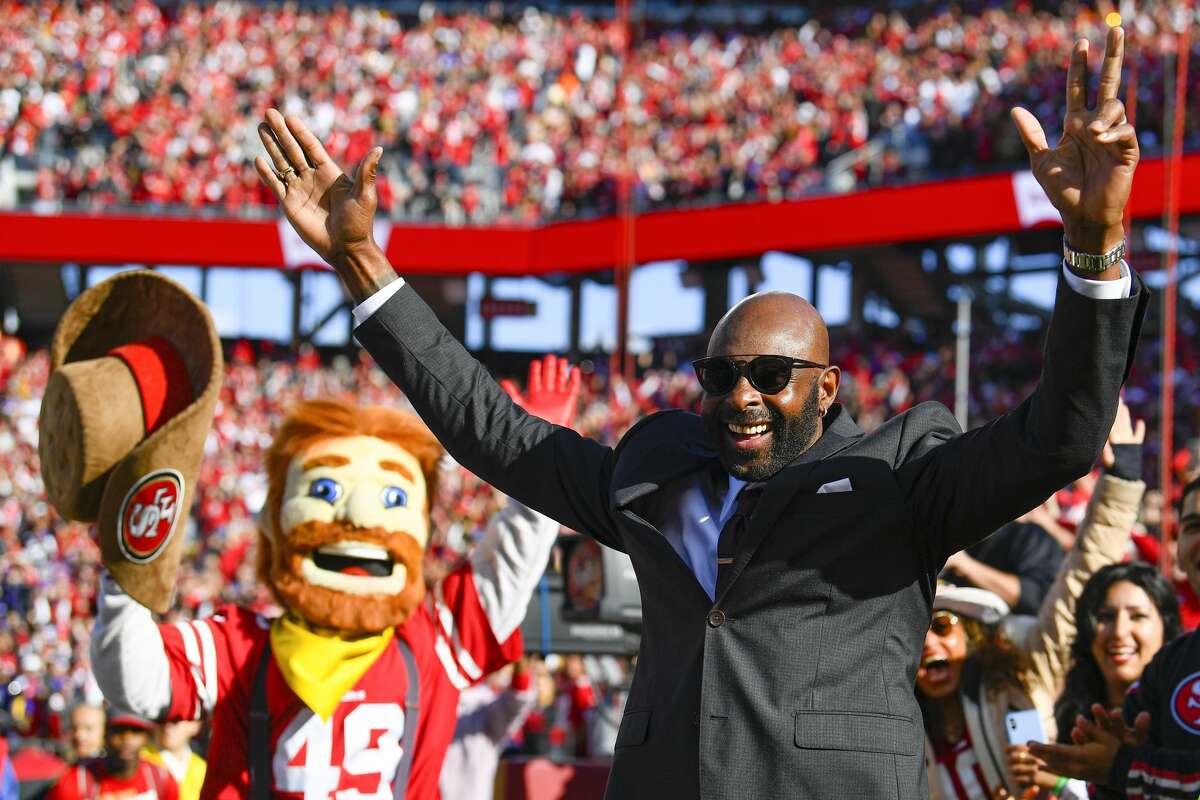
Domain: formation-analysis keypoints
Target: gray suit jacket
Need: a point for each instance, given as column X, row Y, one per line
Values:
column 798, row 680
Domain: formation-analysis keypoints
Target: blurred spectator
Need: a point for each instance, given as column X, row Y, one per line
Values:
column 121, row 772
column 576, row 702
column 488, row 715
column 1148, row 749
column 1126, row 613
column 9, row 787
column 87, row 732
column 1017, row 562
column 174, row 752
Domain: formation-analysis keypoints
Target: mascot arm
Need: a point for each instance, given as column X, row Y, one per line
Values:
column 477, row 609
column 508, row 563
column 128, row 657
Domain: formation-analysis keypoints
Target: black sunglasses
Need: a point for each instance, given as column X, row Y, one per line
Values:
column 768, row 374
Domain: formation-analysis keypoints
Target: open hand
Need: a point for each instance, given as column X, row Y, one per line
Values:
column 333, row 214
column 1095, row 748
column 552, row 391
column 1111, row 723
column 1088, row 174
column 1124, row 431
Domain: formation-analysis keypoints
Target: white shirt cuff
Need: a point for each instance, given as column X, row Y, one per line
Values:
column 367, row 308
column 1099, row 290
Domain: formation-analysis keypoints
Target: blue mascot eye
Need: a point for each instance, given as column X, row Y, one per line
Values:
column 326, row 489
column 394, row 497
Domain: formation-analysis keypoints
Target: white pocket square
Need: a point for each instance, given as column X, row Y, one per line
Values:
column 842, row 485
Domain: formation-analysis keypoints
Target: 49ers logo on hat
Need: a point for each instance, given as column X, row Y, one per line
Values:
column 148, row 515
column 1185, row 703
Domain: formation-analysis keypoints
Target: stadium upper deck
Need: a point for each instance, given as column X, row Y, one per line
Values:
column 492, row 118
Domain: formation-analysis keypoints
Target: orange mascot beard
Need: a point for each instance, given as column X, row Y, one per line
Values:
column 331, row 608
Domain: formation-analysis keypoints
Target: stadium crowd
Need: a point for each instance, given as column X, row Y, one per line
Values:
column 536, row 116
column 49, row 569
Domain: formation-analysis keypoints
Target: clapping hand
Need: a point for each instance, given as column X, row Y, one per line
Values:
column 1095, row 747
column 552, row 392
column 1087, row 175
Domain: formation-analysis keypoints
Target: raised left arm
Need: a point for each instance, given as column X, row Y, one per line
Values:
column 1101, row 540
column 1053, row 437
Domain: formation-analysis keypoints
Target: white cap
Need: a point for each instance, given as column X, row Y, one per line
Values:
column 968, row 601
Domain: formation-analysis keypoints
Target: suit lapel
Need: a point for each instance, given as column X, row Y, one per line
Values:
column 652, row 467
column 841, row 432
column 663, row 465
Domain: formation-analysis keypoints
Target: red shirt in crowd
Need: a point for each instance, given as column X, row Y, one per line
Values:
column 958, row 770
column 91, row 780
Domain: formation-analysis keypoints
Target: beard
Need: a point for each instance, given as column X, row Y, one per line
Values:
column 790, row 437
column 330, row 608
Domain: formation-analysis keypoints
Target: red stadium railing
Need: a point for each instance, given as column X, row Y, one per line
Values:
column 993, row 204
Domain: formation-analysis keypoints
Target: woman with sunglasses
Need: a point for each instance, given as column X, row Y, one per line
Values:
column 979, row 664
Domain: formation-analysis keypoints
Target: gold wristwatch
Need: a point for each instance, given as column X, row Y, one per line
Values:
column 1089, row 262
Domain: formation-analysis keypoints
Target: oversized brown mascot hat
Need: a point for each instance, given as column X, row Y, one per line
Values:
column 136, row 368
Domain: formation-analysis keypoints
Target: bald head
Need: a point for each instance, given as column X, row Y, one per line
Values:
column 776, row 323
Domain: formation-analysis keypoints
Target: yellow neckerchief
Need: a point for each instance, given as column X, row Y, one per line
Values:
column 322, row 668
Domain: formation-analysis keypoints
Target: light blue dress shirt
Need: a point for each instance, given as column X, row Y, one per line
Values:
column 693, row 533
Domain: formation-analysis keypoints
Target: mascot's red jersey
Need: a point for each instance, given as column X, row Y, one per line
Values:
column 466, row 626
column 355, row 753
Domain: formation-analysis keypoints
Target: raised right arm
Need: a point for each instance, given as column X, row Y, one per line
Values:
column 161, row 672
column 547, row 467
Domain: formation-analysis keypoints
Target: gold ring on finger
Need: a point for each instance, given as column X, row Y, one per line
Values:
column 286, row 172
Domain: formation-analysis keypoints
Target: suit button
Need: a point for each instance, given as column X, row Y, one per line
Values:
column 716, row 618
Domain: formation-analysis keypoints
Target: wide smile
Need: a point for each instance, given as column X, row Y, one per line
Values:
column 748, row 437
column 355, row 568
column 1121, row 655
column 936, row 670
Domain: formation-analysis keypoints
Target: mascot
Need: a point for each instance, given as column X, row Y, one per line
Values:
column 352, row 692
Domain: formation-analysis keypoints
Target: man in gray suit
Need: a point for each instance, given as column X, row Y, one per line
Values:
column 786, row 560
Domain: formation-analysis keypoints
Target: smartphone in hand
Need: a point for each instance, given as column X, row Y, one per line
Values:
column 1024, row 727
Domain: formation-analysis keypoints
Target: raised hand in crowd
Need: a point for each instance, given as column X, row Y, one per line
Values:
column 1088, row 174
column 552, row 390
column 1123, row 450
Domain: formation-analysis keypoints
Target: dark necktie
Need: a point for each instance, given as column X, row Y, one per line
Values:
column 734, row 530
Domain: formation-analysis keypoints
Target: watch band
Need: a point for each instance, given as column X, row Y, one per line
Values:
column 1089, row 262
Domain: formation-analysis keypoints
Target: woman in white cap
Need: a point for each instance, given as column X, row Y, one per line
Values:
column 980, row 664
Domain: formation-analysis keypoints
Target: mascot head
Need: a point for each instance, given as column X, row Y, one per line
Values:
column 347, row 516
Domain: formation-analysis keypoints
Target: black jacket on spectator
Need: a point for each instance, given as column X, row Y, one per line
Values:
column 1022, row 549
column 797, row 681
column 1168, row 765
